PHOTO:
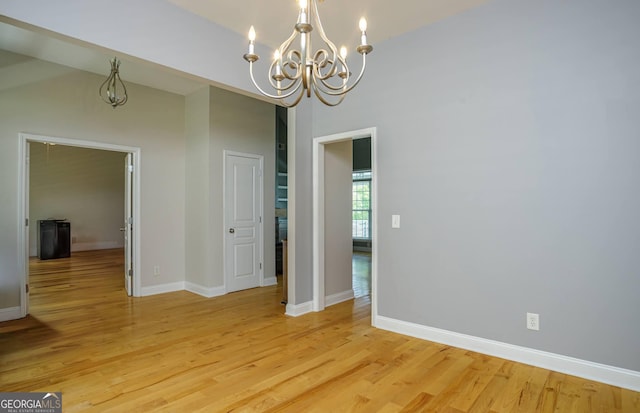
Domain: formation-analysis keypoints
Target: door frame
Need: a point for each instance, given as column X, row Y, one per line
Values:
column 318, row 303
column 225, row 154
column 23, row 205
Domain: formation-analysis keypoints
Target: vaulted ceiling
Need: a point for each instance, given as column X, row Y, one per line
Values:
column 273, row 20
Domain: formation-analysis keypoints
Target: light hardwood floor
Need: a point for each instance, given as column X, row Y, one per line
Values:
column 361, row 273
column 180, row 352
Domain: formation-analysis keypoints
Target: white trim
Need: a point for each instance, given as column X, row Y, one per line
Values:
column 11, row 313
column 294, row 310
column 87, row 246
column 615, row 376
column 291, row 206
column 319, row 301
column 204, row 291
column 163, row 288
column 375, row 224
column 260, row 158
column 23, row 231
column 269, row 281
column 318, row 224
column 92, row 246
column 337, row 298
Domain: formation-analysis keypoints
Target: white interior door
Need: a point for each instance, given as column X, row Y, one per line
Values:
column 128, row 224
column 243, row 221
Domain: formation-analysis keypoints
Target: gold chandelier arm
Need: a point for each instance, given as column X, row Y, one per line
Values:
column 335, row 56
column 277, row 77
column 319, row 94
column 321, row 32
column 292, row 104
column 293, row 61
column 286, row 95
column 321, row 61
column 337, row 92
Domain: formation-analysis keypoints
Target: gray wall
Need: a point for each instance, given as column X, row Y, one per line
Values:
column 338, row 160
column 300, row 202
column 509, row 145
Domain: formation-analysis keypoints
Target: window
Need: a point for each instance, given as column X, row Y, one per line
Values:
column 361, row 196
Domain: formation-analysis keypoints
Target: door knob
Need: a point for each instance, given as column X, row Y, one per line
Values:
column 231, row 230
column 122, row 229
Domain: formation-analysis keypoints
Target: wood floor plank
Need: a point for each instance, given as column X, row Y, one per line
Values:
column 182, row 352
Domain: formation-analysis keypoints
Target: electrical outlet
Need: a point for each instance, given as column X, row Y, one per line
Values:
column 533, row 321
column 156, row 270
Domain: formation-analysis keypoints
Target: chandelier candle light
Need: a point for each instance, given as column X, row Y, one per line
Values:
column 294, row 73
column 112, row 90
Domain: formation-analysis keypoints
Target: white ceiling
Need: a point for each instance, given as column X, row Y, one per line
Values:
column 273, row 20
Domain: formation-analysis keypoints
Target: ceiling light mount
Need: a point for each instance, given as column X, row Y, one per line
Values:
column 294, row 73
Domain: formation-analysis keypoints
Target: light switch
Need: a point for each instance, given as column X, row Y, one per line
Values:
column 395, row 221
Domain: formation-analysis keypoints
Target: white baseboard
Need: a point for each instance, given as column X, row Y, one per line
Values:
column 269, row 281
column 615, row 376
column 338, row 298
column 162, row 288
column 11, row 313
column 86, row 246
column 91, row 246
column 296, row 310
column 207, row 292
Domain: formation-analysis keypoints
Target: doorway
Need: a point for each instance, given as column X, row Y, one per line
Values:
column 132, row 196
column 319, row 224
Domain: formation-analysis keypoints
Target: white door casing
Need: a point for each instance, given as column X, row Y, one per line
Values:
column 24, row 299
column 23, row 210
column 243, row 210
column 128, row 224
column 318, row 303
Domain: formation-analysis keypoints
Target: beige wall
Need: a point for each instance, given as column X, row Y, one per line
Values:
column 338, row 161
column 85, row 186
column 68, row 106
column 197, row 188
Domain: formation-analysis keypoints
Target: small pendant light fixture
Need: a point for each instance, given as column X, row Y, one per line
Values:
column 112, row 90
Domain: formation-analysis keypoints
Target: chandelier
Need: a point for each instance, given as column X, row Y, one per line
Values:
column 112, row 90
column 295, row 73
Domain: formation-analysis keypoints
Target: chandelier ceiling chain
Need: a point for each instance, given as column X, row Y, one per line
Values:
column 295, row 73
column 113, row 91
